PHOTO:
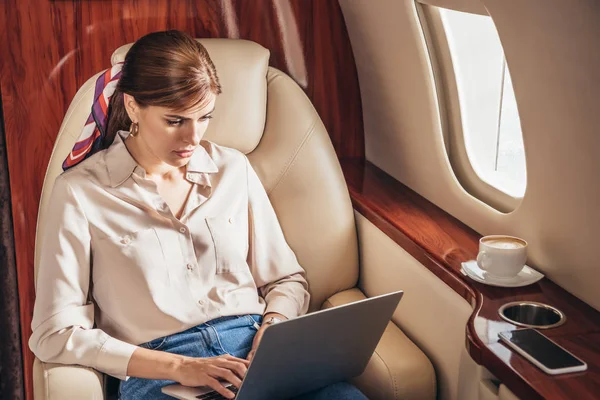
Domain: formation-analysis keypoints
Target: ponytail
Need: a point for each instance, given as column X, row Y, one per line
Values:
column 118, row 119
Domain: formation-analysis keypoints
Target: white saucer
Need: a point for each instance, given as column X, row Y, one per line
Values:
column 527, row 276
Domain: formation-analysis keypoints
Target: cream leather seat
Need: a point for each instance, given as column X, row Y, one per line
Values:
column 264, row 114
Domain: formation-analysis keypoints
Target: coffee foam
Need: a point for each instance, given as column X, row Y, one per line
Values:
column 504, row 243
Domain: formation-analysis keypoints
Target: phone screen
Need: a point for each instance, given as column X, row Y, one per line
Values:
column 542, row 349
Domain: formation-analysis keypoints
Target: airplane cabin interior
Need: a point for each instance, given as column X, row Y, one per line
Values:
column 449, row 149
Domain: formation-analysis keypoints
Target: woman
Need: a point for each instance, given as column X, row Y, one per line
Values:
column 162, row 254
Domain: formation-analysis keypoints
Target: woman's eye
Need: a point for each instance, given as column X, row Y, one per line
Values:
column 206, row 117
column 176, row 122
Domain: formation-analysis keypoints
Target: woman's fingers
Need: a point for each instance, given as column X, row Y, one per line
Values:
column 236, row 366
column 208, row 371
column 232, row 358
column 216, row 385
column 227, row 375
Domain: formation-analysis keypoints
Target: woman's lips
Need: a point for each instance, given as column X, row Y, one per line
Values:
column 184, row 154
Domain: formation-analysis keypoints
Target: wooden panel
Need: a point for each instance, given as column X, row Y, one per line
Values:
column 441, row 242
column 49, row 48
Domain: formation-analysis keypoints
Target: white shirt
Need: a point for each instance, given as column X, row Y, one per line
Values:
column 118, row 269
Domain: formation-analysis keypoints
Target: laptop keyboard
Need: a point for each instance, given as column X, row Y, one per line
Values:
column 216, row 395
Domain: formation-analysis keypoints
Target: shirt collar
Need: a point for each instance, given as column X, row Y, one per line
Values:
column 121, row 164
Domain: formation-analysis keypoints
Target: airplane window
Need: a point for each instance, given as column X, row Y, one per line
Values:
column 487, row 104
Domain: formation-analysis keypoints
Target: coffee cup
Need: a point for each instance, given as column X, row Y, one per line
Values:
column 502, row 256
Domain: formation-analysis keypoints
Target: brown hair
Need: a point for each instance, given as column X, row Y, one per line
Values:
column 166, row 69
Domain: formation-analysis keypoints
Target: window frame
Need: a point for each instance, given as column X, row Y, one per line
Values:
column 446, row 88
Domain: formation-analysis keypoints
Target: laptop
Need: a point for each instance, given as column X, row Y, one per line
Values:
column 308, row 352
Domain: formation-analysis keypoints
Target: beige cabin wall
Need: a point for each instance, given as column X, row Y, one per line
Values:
column 551, row 52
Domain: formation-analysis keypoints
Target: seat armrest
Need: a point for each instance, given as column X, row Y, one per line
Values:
column 66, row 382
column 398, row 369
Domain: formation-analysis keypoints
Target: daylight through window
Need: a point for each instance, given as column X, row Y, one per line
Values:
column 488, row 108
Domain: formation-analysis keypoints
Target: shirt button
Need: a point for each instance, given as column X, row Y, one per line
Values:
column 182, row 230
column 190, row 267
column 126, row 240
column 231, row 220
column 200, row 302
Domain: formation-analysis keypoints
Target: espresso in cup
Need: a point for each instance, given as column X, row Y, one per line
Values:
column 502, row 256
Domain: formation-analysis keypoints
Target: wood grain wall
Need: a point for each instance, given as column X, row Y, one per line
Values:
column 49, row 48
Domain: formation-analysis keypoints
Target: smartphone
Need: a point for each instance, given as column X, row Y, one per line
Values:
column 542, row 352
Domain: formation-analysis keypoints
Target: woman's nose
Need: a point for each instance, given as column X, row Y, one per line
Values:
column 195, row 133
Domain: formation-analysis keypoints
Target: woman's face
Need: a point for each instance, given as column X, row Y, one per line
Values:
column 169, row 136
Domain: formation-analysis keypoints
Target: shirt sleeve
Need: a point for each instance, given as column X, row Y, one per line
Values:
column 280, row 279
column 63, row 318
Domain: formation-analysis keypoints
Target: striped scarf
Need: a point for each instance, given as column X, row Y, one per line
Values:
column 94, row 131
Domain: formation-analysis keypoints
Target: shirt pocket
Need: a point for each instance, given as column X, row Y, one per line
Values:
column 136, row 255
column 230, row 239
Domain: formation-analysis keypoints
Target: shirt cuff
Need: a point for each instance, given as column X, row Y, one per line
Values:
column 114, row 357
column 282, row 305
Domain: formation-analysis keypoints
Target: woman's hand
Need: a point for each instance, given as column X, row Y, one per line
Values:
column 208, row 371
column 256, row 341
column 260, row 333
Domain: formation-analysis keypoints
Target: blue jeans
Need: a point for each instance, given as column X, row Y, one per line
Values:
column 225, row 335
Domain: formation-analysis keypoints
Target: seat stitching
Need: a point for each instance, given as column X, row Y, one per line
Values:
column 392, row 377
column 290, row 162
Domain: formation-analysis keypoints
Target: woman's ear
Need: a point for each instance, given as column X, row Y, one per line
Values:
column 132, row 107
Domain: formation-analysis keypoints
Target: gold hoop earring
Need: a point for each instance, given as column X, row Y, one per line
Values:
column 134, row 129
